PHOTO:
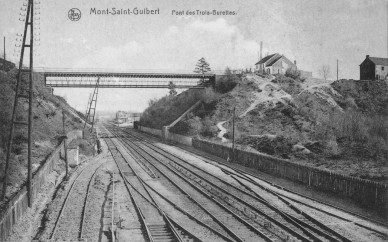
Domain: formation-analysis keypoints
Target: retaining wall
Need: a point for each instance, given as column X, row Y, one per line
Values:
column 16, row 206
column 156, row 132
column 180, row 139
column 369, row 194
column 167, row 135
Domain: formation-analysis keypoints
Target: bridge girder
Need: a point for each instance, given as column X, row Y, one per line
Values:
column 127, row 80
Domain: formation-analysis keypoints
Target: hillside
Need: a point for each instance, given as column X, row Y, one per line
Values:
column 165, row 110
column 47, row 125
column 340, row 126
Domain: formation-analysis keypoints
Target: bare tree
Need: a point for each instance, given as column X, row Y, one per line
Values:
column 324, row 70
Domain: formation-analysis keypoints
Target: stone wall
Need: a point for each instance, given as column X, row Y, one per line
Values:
column 152, row 131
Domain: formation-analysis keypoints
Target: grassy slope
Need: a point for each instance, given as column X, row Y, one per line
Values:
column 167, row 109
column 47, row 125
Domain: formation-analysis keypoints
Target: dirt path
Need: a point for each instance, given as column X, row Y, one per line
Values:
column 222, row 131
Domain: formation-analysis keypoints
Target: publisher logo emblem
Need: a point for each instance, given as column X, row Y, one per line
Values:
column 74, row 14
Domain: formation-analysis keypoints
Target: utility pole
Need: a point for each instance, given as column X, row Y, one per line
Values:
column 65, row 142
column 234, row 116
column 337, row 69
column 28, row 24
column 4, row 55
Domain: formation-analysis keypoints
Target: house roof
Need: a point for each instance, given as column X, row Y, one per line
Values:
column 379, row 61
column 274, row 60
column 265, row 59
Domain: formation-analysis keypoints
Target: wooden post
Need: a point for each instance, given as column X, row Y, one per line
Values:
column 234, row 115
column 4, row 54
column 64, row 142
column 337, row 69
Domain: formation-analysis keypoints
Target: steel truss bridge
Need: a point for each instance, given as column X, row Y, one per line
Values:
column 127, row 80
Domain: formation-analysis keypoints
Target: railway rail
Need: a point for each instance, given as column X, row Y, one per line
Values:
column 247, row 176
column 270, row 229
column 157, row 225
column 71, row 220
column 228, row 219
column 290, row 222
column 245, row 173
column 211, row 227
column 284, row 214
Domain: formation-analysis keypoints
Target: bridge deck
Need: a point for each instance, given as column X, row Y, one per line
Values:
column 127, row 80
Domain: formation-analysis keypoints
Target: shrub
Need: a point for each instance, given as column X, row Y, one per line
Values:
column 294, row 74
column 209, row 95
column 288, row 84
column 227, row 82
column 208, row 129
column 358, row 133
column 165, row 110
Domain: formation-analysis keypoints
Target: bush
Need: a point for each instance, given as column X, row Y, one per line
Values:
column 209, row 95
column 356, row 132
column 209, row 129
column 227, row 82
column 294, row 74
column 164, row 111
column 288, row 84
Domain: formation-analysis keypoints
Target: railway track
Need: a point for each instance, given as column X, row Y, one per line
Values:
column 243, row 174
column 312, row 226
column 260, row 227
column 247, row 176
column 291, row 214
column 211, row 223
column 156, row 224
column 70, row 221
column 313, row 229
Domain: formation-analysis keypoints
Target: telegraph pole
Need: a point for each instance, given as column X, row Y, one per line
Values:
column 234, row 116
column 28, row 24
column 4, row 55
column 337, row 69
column 65, row 142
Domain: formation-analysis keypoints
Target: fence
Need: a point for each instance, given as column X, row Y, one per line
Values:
column 16, row 206
column 369, row 194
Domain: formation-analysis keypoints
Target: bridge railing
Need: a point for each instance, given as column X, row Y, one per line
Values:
column 128, row 80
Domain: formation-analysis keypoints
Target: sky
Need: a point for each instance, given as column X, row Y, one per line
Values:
column 312, row 32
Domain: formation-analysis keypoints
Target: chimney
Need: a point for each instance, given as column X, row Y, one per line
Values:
column 261, row 50
column 294, row 62
column 367, row 56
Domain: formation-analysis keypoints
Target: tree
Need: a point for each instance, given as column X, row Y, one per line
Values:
column 172, row 88
column 202, row 66
column 227, row 82
column 325, row 71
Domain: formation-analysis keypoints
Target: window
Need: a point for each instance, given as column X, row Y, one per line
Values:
column 382, row 68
